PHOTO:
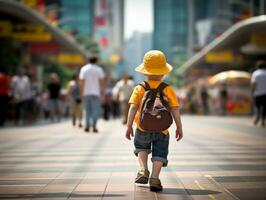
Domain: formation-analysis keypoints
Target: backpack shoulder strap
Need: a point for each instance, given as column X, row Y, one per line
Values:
column 145, row 85
column 161, row 87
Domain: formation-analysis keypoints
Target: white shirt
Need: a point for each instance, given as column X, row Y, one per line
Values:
column 91, row 74
column 259, row 77
column 124, row 90
column 21, row 88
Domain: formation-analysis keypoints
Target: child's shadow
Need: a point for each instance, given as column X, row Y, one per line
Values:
column 182, row 191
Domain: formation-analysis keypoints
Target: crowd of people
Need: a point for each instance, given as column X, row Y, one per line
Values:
column 200, row 101
column 89, row 94
column 23, row 101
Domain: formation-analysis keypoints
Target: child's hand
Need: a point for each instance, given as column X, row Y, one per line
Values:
column 129, row 133
column 178, row 134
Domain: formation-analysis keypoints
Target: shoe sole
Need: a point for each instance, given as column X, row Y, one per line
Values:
column 155, row 188
column 142, row 180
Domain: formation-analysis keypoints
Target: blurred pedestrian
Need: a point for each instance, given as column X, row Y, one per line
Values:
column 192, row 99
column 107, row 102
column 35, row 89
column 73, row 90
column 54, row 88
column 125, row 88
column 223, row 94
column 204, row 99
column 92, row 87
column 44, row 103
column 21, row 91
column 4, row 95
column 258, row 83
column 115, row 103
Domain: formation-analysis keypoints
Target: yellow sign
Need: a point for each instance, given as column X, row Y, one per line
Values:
column 5, row 28
column 35, row 28
column 24, row 32
column 71, row 59
column 115, row 58
column 220, row 57
column 258, row 39
column 30, row 3
column 32, row 37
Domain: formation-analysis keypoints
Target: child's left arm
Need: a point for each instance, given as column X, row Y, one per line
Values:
column 176, row 116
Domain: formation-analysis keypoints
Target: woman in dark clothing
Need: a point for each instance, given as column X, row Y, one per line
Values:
column 54, row 88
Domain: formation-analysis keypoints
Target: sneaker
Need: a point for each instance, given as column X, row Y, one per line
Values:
column 155, row 185
column 95, row 130
column 87, row 129
column 74, row 122
column 255, row 122
column 142, row 176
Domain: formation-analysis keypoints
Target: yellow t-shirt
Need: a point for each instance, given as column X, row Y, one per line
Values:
column 136, row 98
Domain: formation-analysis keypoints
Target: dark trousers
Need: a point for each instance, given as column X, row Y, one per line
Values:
column 260, row 102
column 22, row 109
column 3, row 108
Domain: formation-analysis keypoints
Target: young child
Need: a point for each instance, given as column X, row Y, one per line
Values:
column 154, row 67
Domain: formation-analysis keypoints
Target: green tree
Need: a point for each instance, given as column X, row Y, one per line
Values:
column 9, row 56
column 64, row 73
column 173, row 78
column 87, row 43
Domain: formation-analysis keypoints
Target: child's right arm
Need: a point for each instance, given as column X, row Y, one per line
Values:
column 176, row 116
column 131, row 115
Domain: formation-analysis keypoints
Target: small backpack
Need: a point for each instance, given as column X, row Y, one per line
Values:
column 155, row 113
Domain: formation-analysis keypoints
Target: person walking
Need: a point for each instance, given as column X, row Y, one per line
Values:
column 73, row 90
column 125, row 88
column 21, row 91
column 154, row 66
column 92, row 87
column 258, row 88
column 192, row 99
column 54, row 88
column 223, row 99
column 204, row 100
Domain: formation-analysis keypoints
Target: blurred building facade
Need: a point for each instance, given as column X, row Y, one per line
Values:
column 109, row 27
column 136, row 46
column 170, row 27
column 212, row 18
column 77, row 15
column 182, row 28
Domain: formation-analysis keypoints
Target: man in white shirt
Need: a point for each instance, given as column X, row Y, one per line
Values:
column 21, row 90
column 92, row 84
column 124, row 89
column 258, row 81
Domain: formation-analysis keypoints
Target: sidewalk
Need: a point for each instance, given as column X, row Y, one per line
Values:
column 219, row 158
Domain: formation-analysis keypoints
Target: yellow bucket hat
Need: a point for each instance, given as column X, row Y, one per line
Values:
column 154, row 63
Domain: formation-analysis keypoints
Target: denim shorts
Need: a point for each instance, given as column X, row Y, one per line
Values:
column 155, row 143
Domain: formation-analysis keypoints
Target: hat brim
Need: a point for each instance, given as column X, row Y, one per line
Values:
column 160, row 71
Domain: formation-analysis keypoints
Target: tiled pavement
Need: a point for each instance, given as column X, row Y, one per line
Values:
column 219, row 158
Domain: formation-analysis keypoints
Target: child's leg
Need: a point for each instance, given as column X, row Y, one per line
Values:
column 143, row 159
column 155, row 183
column 156, row 169
column 142, row 145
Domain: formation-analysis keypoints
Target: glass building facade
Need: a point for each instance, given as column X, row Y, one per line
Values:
column 78, row 15
column 170, row 27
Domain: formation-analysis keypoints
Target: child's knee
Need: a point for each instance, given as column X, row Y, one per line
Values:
column 142, row 151
column 161, row 160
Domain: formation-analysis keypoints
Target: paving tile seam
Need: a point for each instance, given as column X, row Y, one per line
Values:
column 221, row 186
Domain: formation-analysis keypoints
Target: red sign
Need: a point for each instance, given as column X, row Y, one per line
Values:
column 104, row 42
column 100, row 21
column 51, row 47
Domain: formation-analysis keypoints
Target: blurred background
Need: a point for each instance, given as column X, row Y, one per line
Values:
column 213, row 46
